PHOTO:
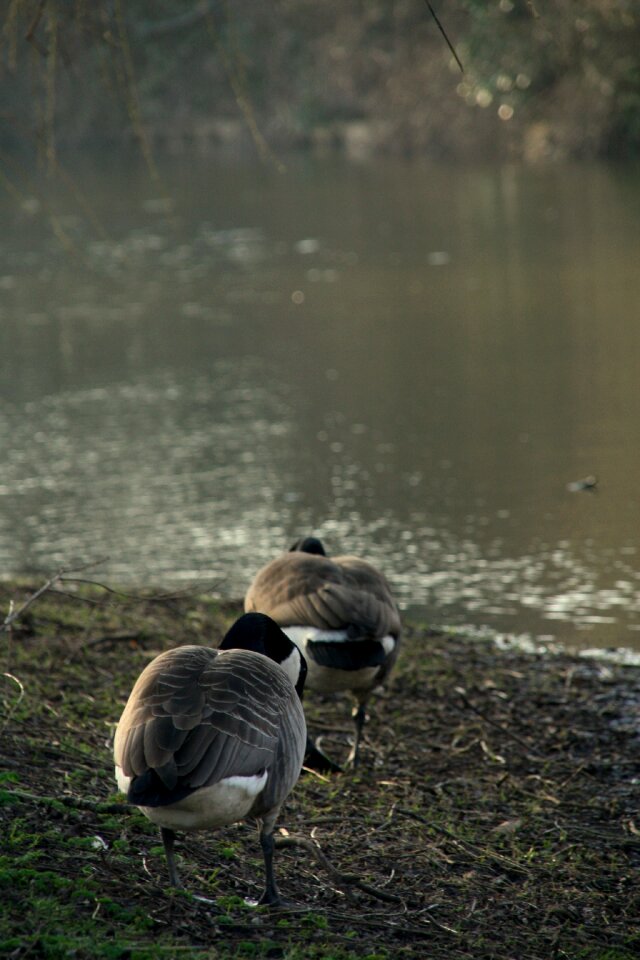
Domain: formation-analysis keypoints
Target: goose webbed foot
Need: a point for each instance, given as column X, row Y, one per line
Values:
column 359, row 719
column 271, row 899
column 315, row 759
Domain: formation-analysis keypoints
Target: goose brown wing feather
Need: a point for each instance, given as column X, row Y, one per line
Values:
column 197, row 716
column 299, row 610
column 283, row 588
column 133, row 749
column 288, row 759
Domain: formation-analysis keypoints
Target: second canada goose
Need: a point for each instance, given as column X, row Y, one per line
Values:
column 340, row 613
column 209, row 737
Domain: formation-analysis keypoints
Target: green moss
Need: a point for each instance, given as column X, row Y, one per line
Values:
column 227, row 851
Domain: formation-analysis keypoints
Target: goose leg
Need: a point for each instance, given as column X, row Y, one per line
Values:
column 271, row 895
column 168, row 840
column 359, row 717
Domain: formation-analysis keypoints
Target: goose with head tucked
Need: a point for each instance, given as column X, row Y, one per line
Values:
column 212, row 736
column 341, row 615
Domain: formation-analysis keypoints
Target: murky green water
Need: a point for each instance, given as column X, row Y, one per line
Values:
column 410, row 361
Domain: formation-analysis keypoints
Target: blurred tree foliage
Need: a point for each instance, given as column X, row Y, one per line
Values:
column 543, row 78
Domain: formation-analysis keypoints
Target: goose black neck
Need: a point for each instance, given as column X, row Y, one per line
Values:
column 308, row 545
column 261, row 634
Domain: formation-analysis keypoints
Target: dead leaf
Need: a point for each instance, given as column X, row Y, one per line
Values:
column 507, row 826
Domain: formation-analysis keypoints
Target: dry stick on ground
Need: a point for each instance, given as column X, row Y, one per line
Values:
column 343, row 879
column 505, row 862
column 191, row 591
column 423, row 930
column 14, row 615
column 61, row 576
column 16, row 703
column 531, row 751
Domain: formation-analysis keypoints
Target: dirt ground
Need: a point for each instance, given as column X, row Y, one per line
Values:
column 495, row 814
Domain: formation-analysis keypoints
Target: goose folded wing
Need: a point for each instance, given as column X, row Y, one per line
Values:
column 223, row 721
column 288, row 590
column 361, row 579
column 348, row 593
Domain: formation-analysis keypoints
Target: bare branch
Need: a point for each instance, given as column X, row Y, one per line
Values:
column 531, row 751
column 343, row 879
column 473, row 848
column 14, row 615
column 192, row 590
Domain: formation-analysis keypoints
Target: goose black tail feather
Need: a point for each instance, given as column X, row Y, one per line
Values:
column 148, row 790
column 347, row 654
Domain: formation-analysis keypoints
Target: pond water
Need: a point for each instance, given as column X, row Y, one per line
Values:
column 413, row 362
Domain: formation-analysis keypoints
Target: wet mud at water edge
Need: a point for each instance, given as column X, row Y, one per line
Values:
column 494, row 815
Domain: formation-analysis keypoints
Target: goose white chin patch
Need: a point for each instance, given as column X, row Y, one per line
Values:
column 302, row 635
column 291, row 664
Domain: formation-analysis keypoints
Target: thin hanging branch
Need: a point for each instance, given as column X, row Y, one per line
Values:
column 30, row 35
column 131, row 90
column 444, row 34
column 243, row 102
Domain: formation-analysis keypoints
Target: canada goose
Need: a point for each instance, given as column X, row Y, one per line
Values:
column 209, row 737
column 341, row 615
column 589, row 483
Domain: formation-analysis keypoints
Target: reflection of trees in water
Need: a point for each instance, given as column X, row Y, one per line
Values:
column 541, row 81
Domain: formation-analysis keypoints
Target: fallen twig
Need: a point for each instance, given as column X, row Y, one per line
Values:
column 344, row 879
column 531, row 751
column 17, row 701
column 14, row 615
column 505, row 862
column 193, row 590
column 421, row 929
